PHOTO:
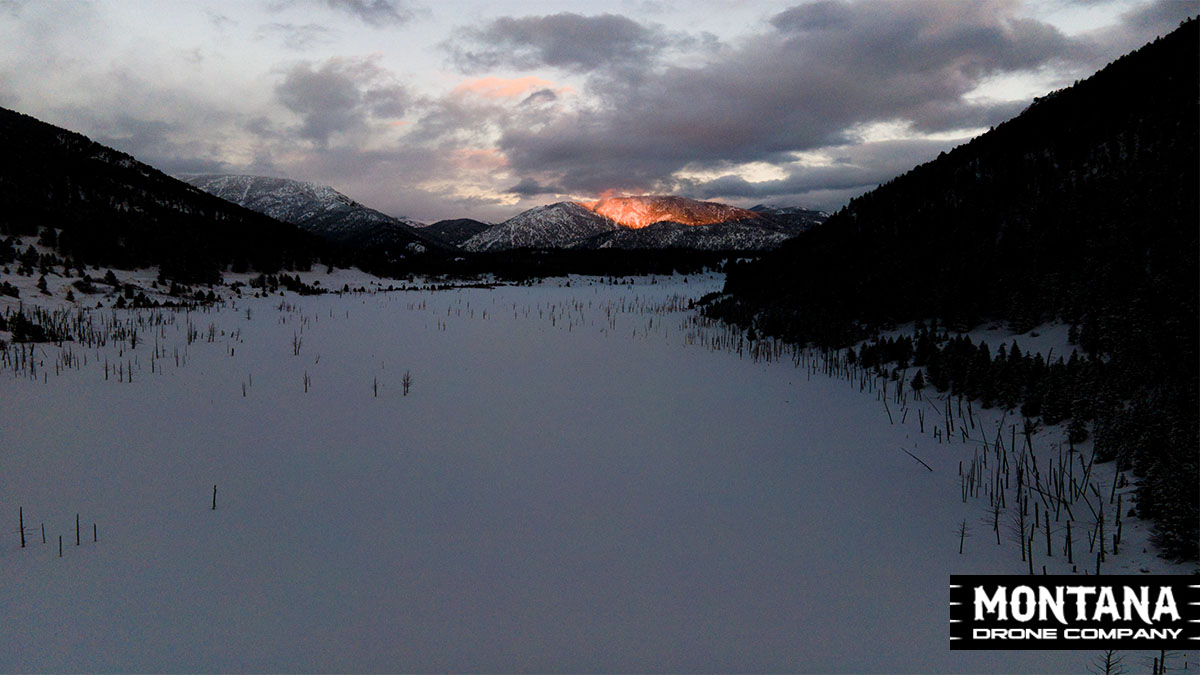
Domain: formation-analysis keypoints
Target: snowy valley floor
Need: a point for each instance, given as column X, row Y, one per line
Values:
column 576, row 481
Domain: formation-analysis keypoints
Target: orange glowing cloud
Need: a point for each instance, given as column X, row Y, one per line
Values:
column 508, row 87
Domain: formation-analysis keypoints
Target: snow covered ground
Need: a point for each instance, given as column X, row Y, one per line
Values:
column 581, row 478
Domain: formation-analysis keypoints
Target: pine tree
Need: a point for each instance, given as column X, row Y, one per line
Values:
column 48, row 237
column 1077, row 431
column 918, row 383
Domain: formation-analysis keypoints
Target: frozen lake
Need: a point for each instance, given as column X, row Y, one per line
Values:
column 568, row 486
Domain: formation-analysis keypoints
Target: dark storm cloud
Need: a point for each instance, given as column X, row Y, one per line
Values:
column 815, row 16
column 821, row 70
column 339, row 96
column 529, row 187
column 942, row 115
column 568, row 41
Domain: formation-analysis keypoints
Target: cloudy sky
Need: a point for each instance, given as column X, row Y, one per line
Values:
column 452, row 108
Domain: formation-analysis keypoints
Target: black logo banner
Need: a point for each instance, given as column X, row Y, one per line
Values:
column 1074, row 612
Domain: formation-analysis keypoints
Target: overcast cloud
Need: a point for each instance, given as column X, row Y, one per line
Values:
column 566, row 40
column 377, row 13
column 340, row 96
column 461, row 109
column 822, row 70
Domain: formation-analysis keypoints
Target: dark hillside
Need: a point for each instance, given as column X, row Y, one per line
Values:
column 1082, row 209
column 113, row 210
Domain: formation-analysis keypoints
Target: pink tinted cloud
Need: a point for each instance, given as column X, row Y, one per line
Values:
column 489, row 159
column 508, row 87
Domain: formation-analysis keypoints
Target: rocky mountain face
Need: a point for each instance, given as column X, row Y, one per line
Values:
column 642, row 211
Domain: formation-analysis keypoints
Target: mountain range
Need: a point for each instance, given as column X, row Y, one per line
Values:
column 636, row 222
column 645, row 222
column 318, row 209
column 110, row 209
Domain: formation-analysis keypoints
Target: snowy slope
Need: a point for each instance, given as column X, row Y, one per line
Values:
column 550, row 226
column 316, row 208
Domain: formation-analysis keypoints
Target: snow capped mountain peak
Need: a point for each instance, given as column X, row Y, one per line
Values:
column 319, row 209
column 555, row 225
column 639, row 211
column 281, row 198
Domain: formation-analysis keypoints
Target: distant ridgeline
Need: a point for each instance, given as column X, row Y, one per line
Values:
column 1081, row 209
column 113, row 210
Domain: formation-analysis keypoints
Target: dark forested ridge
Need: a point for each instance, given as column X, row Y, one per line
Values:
column 113, row 210
column 456, row 230
column 1082, row 209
